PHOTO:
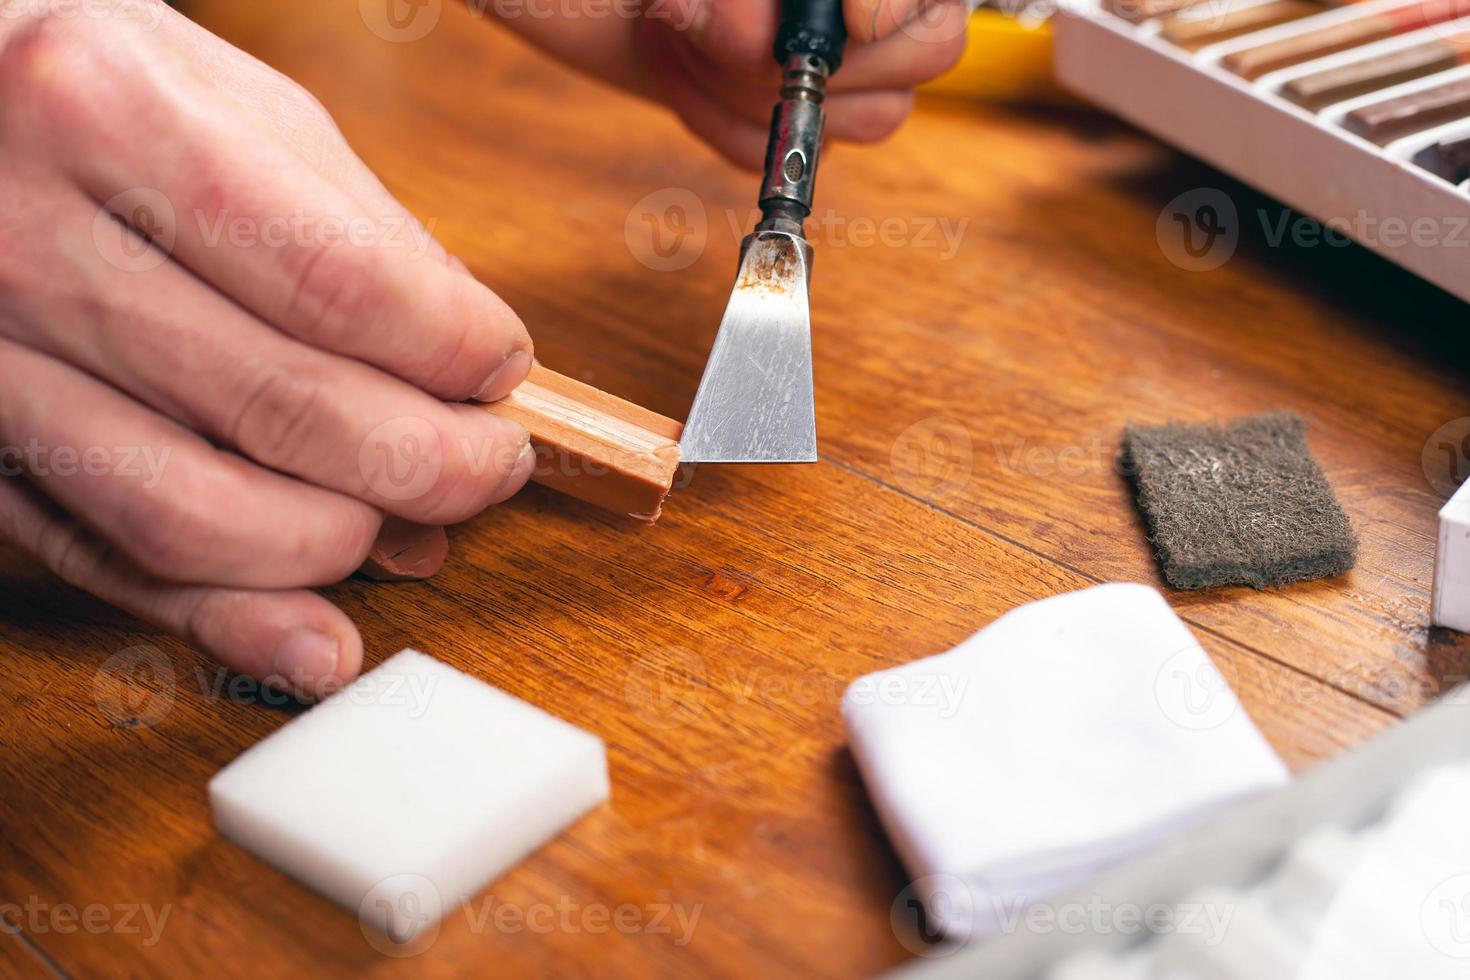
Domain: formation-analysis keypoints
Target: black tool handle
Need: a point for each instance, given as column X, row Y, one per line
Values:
column 813, row 27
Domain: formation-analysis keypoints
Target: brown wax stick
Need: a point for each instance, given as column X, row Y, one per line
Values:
column 1205, row 24
column 1383, row 122
column 595, row 446
column 1252, row 63
column 405, row 552
column 1332, row 85
column 1449, row 159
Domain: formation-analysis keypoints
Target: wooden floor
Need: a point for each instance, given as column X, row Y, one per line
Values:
column 969, row 406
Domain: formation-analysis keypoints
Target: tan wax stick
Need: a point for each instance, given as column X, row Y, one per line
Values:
column 1383, row 122
column 595, row 446
column 1332, row 85
column 1256, row 61
column 1214, row 21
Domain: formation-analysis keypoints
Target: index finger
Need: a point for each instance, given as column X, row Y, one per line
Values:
column 238, row 207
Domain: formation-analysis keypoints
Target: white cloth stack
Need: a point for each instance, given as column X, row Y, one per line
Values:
column 1065, row 737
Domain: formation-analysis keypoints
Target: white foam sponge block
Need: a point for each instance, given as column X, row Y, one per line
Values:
column 404, row 794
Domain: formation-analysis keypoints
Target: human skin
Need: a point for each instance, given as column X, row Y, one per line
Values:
column 228, row 354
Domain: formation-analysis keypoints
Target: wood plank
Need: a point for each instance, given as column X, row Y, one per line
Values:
column 711, row 659
column 19, row 960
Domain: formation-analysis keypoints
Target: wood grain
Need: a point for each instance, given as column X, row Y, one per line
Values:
column 971, row 391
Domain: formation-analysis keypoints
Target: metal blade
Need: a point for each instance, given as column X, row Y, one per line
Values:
column 755, row 403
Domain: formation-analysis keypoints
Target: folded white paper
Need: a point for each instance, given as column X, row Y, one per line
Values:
column 1068, row 735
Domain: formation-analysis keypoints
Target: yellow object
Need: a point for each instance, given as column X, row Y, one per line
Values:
column 1004, row 59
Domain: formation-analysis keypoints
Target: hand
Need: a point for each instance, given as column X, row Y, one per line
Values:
column 711, row 62
column 225, row 350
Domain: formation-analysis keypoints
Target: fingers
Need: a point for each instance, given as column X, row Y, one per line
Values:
column 181, row 348
column 735, row 136
column 293, row 640
column 174, row 505
column 247, row 215
column 922, row 49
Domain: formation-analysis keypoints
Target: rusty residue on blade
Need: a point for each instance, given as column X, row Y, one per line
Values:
column 771, row 267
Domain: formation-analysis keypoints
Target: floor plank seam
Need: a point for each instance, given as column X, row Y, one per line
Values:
column 40, row 954
column 990, row 532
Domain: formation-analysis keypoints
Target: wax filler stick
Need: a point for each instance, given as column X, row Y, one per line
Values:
column 1198, row 26
column 407, row 792
column 1238, row 504
column 1449, row 159
column 755, row 403
column 1332, row 85
column 1256, row 61
column 1383, row 122
column 594, row 446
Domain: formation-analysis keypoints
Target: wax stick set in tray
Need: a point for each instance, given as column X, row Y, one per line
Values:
column 1357, row 114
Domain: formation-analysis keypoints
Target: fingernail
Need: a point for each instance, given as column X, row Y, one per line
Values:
column 307, row 662
column 520, row 472
column 510, row 373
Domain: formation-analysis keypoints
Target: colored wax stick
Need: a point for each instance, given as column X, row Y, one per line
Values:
column 1383, row 122
column 1208, row 23
column 1449, row 159
column 1331, row 85
column 1253, row 62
